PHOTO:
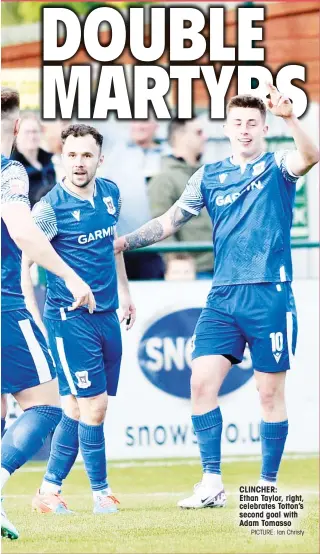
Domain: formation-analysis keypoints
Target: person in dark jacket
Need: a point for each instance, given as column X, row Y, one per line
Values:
column 36, row 161
column 131, row 164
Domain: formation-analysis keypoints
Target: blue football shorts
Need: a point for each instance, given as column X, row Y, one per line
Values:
column 26, row 361
column 87, row 352
column 262, row 315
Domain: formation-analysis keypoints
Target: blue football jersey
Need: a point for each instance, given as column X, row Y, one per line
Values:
column 14, row 188
column 82, row 233
column 251, row 209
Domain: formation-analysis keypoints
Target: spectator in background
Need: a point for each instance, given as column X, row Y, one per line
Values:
column 37, row 162
column 180, row 267
column 52, row 140
column 187, row 141
column 131, row 164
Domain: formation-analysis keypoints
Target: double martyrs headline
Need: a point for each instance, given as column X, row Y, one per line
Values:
column 183, row 34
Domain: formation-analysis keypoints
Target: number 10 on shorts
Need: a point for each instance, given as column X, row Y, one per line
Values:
column 276, row 344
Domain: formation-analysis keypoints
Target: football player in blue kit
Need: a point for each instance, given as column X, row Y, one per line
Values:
column 79, row 217
column 27, row 369
column 249, row 197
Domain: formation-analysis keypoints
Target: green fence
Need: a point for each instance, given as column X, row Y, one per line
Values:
column 207, row 246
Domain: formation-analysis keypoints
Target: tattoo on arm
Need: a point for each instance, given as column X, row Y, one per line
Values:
column 179, row 217
column 158, row 229
column 149, row 233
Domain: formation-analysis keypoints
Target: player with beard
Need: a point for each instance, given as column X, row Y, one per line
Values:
column 79, row 217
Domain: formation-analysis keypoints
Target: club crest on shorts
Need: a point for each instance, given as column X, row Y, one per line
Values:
column 83, row 380
column 258, row 168
column 110, row 205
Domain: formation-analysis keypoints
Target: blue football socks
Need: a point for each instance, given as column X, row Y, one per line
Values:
column 208, row 429
column 64, row 450
column 28, row 433
column 273, row 438
column 3, row 424
column 92, row 446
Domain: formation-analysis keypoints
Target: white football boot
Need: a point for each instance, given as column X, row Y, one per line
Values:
column 264, row 483
column 8, row 530
column 209, row 493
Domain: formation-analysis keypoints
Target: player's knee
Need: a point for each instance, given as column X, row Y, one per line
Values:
column 93, row 411
column 97, row 414
column 71, row 409
column 73, row 412
column 267, row 401
column 201, row 388
column 270, row 397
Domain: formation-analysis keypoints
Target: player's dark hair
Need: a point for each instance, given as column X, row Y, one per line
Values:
column 80, row 130
column 10, row 100
column 247, row 101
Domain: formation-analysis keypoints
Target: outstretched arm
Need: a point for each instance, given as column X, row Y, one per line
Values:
column 155, row 230
column 306, row 155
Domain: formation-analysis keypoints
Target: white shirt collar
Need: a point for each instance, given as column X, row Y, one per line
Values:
column 250, row 162
column 66, row 189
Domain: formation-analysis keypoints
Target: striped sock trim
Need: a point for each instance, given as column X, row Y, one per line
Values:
column 207, row 421
column 277, row 430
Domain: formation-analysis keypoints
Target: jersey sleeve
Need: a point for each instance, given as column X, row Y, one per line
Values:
column 192, row 199
column 281, row 160
column 45, row 218
column 14, row 184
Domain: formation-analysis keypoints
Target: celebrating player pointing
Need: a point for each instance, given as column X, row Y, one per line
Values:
column 250, row 199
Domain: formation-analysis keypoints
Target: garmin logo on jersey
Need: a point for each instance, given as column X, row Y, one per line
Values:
column 230, row 198
column 99, row 234
column 164, row 355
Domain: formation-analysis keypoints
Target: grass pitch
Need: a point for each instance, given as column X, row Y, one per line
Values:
column 149, row 521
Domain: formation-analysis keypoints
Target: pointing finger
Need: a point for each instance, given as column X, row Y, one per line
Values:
column 91, row 303
column 271, row 87
column 269, row 104
column 280, row 100
column 283, row 100
column 76, row 304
